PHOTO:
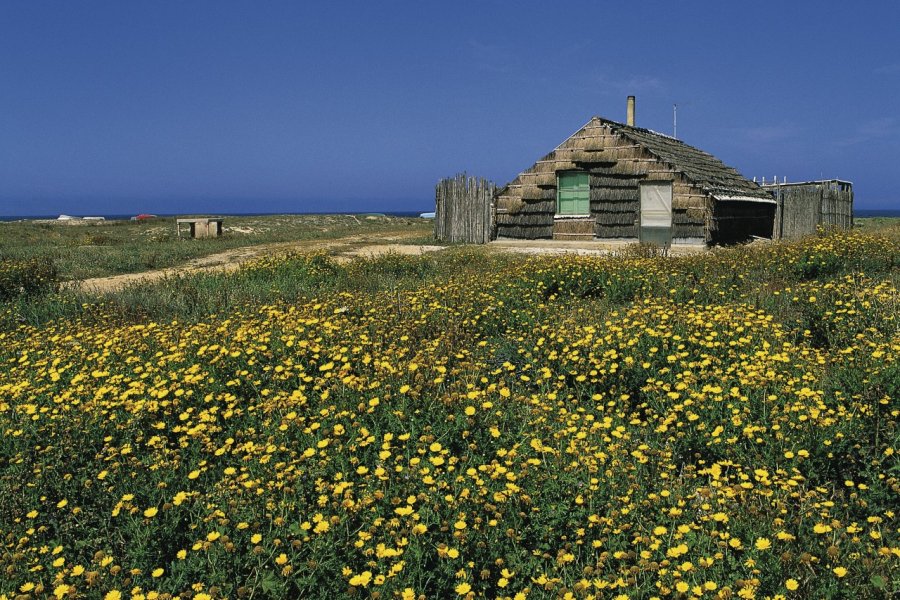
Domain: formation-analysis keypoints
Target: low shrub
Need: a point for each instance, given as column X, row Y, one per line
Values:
column 28, row 277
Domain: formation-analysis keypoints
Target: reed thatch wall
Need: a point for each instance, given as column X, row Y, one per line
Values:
column 573, row 229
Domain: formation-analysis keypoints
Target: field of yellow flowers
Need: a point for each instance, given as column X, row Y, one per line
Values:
column 715, row 426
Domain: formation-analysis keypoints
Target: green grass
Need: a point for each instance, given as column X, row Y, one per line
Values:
column 756, row 273
column 284, row 277
column 83, row 250
column 869, row 223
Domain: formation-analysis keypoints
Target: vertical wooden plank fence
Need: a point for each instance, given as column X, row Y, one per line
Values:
column 802, row 207
column 463, row 209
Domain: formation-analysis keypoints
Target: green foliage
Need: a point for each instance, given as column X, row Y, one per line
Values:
column 27, row 278
column 462, row 423
column 97, row 249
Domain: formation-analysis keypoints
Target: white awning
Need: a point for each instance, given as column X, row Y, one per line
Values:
column 744, row 199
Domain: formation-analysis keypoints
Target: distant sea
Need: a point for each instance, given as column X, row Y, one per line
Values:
column 863, row 213
column 406, row 214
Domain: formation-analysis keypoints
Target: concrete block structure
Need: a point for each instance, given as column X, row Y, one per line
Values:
column 201, row 227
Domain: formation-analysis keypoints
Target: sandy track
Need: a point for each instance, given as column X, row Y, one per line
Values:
column 347, row 248
column 343, row 249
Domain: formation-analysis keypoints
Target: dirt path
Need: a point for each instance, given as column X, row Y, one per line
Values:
column 347, row 248
column 343, row 249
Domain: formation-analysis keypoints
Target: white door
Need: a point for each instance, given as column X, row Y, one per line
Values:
column 656, row 213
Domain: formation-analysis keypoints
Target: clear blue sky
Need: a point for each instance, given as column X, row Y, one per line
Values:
column 125, row 107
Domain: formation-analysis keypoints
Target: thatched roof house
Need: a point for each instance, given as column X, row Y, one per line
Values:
column 610, row 180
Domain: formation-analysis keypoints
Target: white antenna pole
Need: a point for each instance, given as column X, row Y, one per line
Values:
column 675, row 121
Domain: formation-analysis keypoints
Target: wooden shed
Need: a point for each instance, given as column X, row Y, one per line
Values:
column 802, row 207
column 615, row 181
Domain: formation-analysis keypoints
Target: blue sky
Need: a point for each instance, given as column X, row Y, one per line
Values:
column 126, row 107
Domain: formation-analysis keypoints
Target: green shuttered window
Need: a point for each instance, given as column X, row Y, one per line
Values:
column 573, row 194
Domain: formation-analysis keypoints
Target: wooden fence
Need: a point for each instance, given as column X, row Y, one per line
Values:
column 802, row 207
column 463, row 209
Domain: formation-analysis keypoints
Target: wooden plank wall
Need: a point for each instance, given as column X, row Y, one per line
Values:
column 837, row 206
column 463, row 209
column 800, row 207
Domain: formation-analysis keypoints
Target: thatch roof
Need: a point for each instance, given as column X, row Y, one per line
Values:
column 702, row 168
